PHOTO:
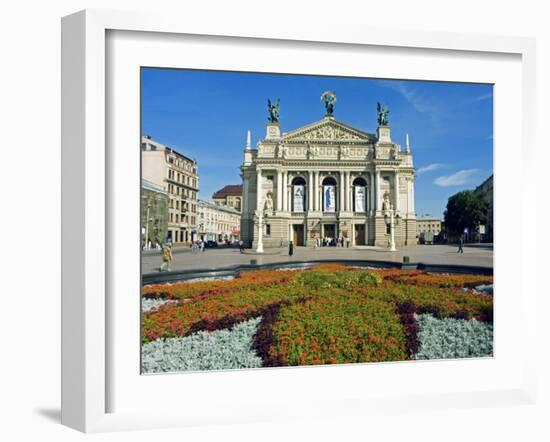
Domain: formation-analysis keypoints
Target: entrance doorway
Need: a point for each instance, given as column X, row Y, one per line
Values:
column 329, row 234
column 298, row 234
column 360, row 235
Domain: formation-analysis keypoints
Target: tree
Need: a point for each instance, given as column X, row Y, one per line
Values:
column 465, row 209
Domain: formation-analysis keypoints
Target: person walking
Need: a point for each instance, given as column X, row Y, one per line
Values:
column 167, row 258
column 202, row 246
column 290, row 248
column 241, row 246
column 460, row 244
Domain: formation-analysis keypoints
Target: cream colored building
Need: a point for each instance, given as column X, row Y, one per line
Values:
column 218, row 223
column 327, row 180
column 230, row 195
column 178, row 176
column 428, row 224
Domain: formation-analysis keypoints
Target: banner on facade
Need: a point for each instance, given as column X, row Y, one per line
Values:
column 359, row 198
column 330, row 198
column 299, row 198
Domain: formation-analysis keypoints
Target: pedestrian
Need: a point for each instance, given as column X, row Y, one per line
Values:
column 281, row 243
column 241, row 246
column 460, row 244
column 194, row 248
column 167, row 258
column 290, row 248
column 347, row 243
column 202, row 246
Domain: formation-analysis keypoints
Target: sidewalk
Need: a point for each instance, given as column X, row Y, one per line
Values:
column 225, row 257
column 183, row 248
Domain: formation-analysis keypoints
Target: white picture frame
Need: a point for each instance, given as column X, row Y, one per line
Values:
column 86, row 216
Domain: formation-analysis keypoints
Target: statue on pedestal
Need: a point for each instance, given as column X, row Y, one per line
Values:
column 268, row 204
column 329, row 98
column 273, row 109
column 387, row 206
column 383, row 112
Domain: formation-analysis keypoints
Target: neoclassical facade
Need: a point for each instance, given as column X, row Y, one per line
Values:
column 327, row 180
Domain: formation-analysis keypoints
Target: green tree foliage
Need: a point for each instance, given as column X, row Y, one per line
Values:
column 465, row 209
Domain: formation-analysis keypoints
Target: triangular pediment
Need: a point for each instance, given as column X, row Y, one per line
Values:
column 328, row 130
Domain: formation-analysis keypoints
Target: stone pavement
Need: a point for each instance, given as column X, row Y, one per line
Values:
column 474, row 255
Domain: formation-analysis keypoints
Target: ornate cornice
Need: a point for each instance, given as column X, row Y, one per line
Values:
column 328, row 130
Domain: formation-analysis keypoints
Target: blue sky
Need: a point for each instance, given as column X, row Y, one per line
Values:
column 205, row 115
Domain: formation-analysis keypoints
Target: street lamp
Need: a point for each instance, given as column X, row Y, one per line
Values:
column 260, row 247
column 389, row 212
column 147, row 224
column 392, row 233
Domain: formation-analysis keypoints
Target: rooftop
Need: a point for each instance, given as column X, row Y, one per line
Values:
column 229, row 190
column 212, row 205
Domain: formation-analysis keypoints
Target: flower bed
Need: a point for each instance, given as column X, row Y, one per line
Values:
column 418, row 277
column 195, row 290
column 221, row 349
column 324, row 315
column 453, row 338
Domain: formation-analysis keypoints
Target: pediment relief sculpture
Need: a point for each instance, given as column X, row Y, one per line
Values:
column 327, row 132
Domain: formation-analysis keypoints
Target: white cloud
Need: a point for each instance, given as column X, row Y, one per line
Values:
column 430, row 168
column 420, row 103
column 456, row 179
column 479, row 98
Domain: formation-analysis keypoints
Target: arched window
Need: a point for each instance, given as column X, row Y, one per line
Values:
column 298, row 194
column 329, row 195
column 359, row 195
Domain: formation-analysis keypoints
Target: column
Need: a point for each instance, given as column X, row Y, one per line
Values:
column 316, row 191
column 413, row 210
column 408, row 195
column 396, row 190
column 245, row 194
column 279, row 190
column 377, row 184
column 320, row 194
column 349, row 193
column 259, row 190
column 341, row 201
column 310, row 192
column 283, row 191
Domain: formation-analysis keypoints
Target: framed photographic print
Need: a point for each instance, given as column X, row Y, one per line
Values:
column 263, row 214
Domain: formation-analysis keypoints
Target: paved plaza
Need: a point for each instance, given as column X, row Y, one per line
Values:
column 474, row 255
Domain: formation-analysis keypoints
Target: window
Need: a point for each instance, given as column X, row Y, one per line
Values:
column 298, row 195
column 359, row 195
column 386, row 178
column 329, row 195
column 268, row 229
